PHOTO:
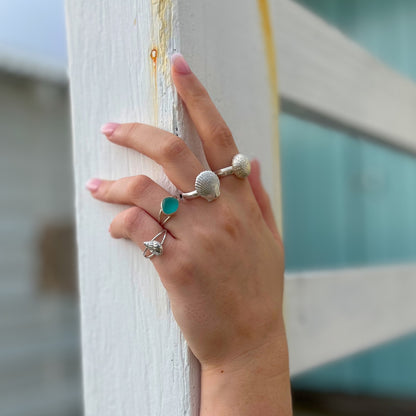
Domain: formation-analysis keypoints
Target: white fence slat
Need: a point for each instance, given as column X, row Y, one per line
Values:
column 135, row 361
column 334, row 313
column 326, row 77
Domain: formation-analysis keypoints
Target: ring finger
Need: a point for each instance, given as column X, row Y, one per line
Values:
column 136, row 190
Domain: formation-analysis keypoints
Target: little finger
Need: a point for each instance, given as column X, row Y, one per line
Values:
column 137, row 225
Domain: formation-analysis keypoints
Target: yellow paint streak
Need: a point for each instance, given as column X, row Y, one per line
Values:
column 270, row 52
column 164, row 13
column 159, row 51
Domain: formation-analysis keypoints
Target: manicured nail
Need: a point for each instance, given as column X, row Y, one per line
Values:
column 179, row 64
column 108, row 128
column 93, row 184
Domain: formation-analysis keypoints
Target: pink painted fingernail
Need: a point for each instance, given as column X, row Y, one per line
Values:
column 93, row 184
column 179, row 64
column 108, row 128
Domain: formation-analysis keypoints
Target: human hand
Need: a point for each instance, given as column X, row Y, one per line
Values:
column 223, row 261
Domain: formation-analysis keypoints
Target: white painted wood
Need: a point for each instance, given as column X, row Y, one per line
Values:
column 135, row 361
column 334, row 313
column 326, row 77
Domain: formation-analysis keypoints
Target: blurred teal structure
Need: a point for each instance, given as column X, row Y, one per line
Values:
column 351, row 202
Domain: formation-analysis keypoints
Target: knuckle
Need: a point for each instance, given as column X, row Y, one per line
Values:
column 173, row 148
column 185, row 274
column 229, row 221
column 207, row 239
column 198, row 93
column 221, row 134
column 132, row 130
column 106, row 192
column 139, row 185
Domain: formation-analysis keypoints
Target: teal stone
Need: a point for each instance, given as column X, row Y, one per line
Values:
column 170, row 205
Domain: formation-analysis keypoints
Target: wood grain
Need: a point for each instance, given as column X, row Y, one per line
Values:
column 135, row 360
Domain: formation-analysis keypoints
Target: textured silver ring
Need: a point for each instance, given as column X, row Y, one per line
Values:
column 207, row 186
column 154, row 247
column 240, row 167
column 168, row 207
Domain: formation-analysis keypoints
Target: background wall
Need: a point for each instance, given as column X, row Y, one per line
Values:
column 350, row 202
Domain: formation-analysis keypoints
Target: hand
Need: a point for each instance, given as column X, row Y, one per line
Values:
column 223, row 261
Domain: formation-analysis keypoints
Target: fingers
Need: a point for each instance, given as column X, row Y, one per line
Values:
column 262, row 198
column 216, row 137
column 166, row 149
column 135, row 190
column 137, row 225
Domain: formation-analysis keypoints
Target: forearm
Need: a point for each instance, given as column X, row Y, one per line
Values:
column 256, row 384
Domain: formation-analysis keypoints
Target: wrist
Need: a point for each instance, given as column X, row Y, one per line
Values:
column 257, row 382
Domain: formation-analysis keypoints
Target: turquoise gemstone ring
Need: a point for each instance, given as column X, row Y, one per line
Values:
column 168, row 207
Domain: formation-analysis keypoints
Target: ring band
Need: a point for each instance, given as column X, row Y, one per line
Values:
column 207, row 186
column 153, row 246
column 168, row 207
column 240, row 167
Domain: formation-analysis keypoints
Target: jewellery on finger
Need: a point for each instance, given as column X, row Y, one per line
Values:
column 240, row 167
column 207, row 185
column 168, row 207
column 154, row 247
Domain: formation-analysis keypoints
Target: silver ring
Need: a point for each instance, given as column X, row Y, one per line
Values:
column 153, row 246
column 168, row 207
column 240, row 167
column 207, row 186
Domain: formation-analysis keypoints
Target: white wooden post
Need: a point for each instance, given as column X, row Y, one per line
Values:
column 135, row 361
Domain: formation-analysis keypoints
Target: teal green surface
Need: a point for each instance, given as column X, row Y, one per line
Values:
column 170, row 205
column 386, row 28
column 388, row 370
column 350, row 202
column 346, row 201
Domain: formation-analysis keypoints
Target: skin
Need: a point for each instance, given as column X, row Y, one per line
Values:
column 223, row 261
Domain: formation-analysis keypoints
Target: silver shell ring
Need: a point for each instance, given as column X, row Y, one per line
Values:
column 207, row 186
column 154, row 247
column 240, row 167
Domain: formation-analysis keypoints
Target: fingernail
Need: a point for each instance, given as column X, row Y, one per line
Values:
column 108, row 128
column 179, row 64
column 93, row 184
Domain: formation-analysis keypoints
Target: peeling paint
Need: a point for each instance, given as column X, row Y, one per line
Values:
column 161, row 39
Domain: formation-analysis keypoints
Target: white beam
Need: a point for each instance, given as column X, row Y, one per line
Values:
column 326, row 77
column 135, row 361
column 334, row 313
